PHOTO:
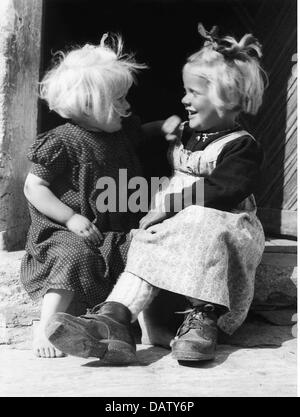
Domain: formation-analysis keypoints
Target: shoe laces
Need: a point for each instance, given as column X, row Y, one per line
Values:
column 195, row 317
column 93, row 310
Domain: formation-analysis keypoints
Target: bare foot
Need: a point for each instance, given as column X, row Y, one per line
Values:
column 42, row 347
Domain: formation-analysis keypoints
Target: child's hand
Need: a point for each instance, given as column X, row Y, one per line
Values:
column 83, row 227
column 171, row 127
column 151, row 218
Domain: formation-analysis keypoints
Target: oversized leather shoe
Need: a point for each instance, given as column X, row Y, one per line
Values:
column 103, row 333
column 196, row 338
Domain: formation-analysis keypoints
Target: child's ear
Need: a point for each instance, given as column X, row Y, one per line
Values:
column 227, row 114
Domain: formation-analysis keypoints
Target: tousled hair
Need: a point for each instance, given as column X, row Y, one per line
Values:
column 236, row 78
column 86, row 82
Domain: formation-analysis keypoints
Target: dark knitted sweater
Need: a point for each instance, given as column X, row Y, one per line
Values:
column 236, row 175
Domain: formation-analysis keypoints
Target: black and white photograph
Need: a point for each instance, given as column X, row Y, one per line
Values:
column 148, row 201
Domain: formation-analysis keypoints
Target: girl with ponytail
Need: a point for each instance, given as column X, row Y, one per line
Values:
column 202, row 238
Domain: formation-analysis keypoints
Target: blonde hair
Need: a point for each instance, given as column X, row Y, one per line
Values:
column 86, row 82
column 236, row 79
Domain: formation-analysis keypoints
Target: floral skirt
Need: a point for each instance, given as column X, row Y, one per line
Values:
column 202, row 253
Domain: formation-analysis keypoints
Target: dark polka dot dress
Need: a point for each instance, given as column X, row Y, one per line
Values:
column 72, row 160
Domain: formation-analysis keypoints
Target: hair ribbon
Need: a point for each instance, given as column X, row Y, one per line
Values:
column 211, row 37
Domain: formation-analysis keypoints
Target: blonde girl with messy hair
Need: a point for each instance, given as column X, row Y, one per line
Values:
column 205, row 246
column 73, row 250
column 89, row 85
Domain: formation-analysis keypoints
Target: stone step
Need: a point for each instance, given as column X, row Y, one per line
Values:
column 275, row 289
column 276, row 276
column 17, row 311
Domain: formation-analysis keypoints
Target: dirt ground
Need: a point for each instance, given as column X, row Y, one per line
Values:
column 261, row 365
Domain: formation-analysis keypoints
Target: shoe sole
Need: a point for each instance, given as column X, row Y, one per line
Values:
column 184, row 357
column 73, row 339
column 181, row 352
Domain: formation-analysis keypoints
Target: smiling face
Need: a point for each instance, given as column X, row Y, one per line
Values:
column 202, row 113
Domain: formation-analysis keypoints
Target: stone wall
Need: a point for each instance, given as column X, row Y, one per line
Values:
column 20, row 38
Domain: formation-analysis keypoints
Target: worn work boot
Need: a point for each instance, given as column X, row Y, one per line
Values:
column 196, row 338
column 104, row 333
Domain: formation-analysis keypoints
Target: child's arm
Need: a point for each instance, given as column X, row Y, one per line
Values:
column 236, row 176
column 170, row 128
column 38, row 193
